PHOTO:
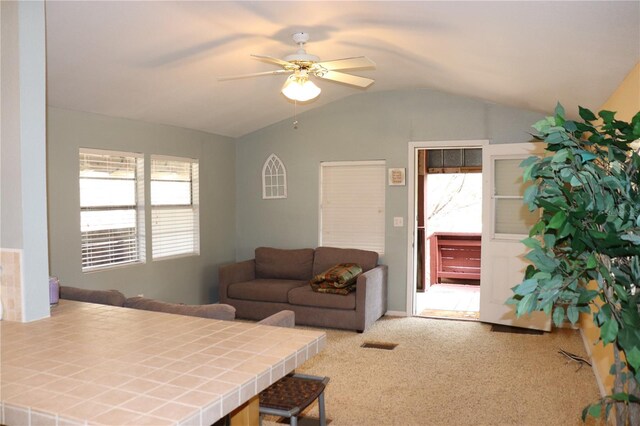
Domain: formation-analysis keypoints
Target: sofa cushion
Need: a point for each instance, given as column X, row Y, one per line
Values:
column 264, row 290
column 284, row 264
column 326, row 257
column 307, row 297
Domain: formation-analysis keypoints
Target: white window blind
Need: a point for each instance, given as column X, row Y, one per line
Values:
column 175, row 228
column 111, row 208
column 352, row 205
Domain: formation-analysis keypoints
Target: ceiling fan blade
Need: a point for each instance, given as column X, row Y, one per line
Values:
column 348, row 63
column 341, row 77
column 276, row 61
column 255, row 74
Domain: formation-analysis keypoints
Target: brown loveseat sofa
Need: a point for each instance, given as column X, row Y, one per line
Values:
column 278, row 280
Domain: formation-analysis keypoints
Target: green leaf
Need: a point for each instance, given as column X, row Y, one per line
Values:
column 526, row 305
column 557, row 221
column 549, row 241
column 572, row 314
column 595, row 410
column 529, row 161
column 542, row 261
column 530, row 194
column 587, row 156
column 621, row 292
column 607, row 116
column 544, row 125
column 558, row 315
column 559, row 111
column 555, row 138
column 526, row 287
column 635, row 239
column 592, row 261
column 586, row 114
column 633, row 358
column 560, row 156
column 620, row 396
column 609, row 331
column 531, row 242
column 575, row 181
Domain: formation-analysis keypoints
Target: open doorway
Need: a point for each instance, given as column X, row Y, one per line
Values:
column 449, row 229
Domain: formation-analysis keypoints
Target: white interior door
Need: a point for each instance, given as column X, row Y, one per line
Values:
column 505, row 222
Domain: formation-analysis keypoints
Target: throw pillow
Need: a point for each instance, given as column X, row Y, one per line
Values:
column 339, row 279
column 328, row 288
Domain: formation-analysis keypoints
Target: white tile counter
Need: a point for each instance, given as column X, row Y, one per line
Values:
column 104, row 365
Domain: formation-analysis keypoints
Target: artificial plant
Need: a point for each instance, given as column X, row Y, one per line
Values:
column 585, row 247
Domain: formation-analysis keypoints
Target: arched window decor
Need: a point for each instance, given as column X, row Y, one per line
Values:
column 274, row 178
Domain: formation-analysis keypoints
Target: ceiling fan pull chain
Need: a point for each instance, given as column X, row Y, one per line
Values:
column 295, row 114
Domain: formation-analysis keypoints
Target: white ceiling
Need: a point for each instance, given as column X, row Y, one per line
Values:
column 158, row 61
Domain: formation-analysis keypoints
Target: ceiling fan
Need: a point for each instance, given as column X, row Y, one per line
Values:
column 302, row 65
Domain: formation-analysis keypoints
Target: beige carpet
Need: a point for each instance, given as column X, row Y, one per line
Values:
column 451, row 373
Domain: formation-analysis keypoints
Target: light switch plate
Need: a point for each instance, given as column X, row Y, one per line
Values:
column 398, row 221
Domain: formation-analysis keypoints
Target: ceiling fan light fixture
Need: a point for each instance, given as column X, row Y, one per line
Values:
column 300, row 89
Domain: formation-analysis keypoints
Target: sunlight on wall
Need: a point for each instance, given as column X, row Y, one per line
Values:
column 626, row 102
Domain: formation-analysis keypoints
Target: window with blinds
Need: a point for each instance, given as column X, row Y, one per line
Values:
column 111, row 208
column 174, row 207
column 352, row 198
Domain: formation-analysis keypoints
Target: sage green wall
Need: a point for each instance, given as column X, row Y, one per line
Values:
column 191, row 279
column 366, row 126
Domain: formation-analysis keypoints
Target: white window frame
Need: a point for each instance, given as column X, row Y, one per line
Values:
column 140, row 236
column 270, row 171
column 194, row 207
column 383, row 184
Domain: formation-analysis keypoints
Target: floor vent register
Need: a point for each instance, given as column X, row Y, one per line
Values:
column 379, row 345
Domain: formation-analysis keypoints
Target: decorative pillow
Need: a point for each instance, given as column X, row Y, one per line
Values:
column 339, row 279
column 340, row 275
column 325, row 287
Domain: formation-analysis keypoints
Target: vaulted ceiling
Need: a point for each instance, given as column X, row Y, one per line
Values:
column 158, row 61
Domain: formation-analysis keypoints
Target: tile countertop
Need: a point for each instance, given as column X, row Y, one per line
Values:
column 105, row 365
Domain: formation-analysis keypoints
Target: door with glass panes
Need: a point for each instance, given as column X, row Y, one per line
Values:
column 506, row 221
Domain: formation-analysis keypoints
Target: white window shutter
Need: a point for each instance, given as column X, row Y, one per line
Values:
column 111, row 199
column 353, row 205
column 175, row 229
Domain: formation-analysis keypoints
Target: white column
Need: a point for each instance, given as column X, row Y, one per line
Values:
column 23, row 152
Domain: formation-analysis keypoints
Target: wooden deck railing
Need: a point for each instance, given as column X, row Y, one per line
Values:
column 454, row 256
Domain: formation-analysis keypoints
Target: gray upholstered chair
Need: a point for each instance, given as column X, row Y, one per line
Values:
column 103, row 297
column 218, row 311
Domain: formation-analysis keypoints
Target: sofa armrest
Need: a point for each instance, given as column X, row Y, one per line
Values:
column 280, row 319
column 371, row 296
column 234, row 273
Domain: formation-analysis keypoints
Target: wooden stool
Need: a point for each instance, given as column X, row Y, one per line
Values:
column 290, row 395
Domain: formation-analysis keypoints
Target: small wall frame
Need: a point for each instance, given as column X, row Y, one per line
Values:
column 274, row 178
column 396, row 177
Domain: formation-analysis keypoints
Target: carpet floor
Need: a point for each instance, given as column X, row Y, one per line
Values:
column 450, row 373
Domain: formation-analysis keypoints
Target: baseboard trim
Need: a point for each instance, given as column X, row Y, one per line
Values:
column 587, row 348
column 395, row 314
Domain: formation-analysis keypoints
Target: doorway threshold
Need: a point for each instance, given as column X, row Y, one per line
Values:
column 450, row 315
